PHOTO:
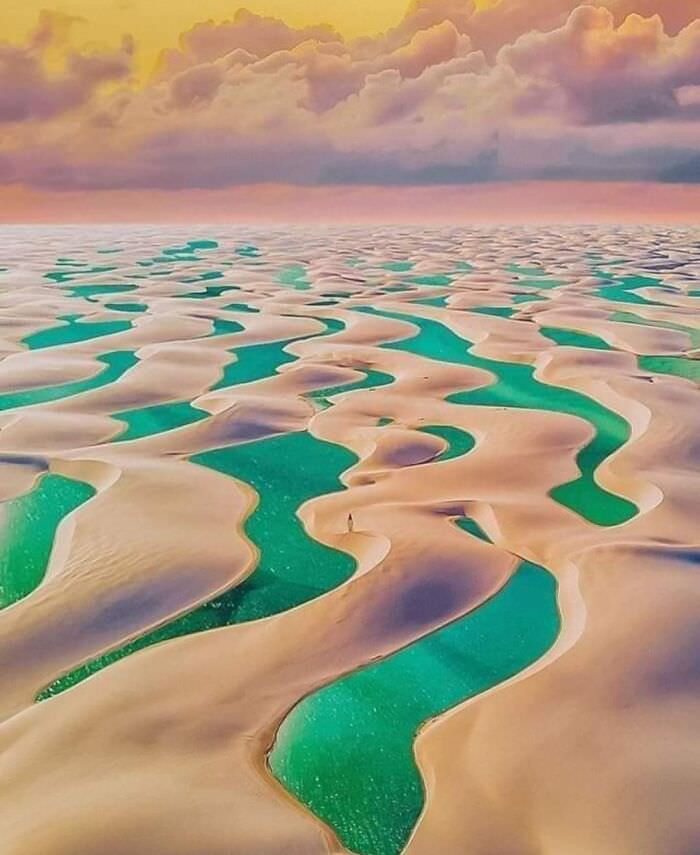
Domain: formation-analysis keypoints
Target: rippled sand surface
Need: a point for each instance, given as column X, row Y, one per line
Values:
column 349, row 540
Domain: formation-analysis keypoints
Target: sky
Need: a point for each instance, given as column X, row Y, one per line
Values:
column 111, row 108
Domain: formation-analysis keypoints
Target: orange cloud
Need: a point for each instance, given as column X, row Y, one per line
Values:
column 29, row 91
column 453, row 94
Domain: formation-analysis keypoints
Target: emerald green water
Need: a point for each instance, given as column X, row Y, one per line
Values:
column 248, row 251
column 458, row 441
column 293, row 567
column 158, row 418
column 371, row 380
column 209, row 291
column 516, row 386
column 623, row 288
column 73, row 330
column 529, row 298
column 79, row 269
column 398, row 266
column 221, row 326
column 242, row 307
column 678, row 366
column 254, row 362
column 471, row 526
column 127, row 307
column 191, row 247
column 208, row 276
column 521, row 270
column 631, row 318
column 498, row 311
column 295, row 277
column 257, row 361
column 573, row 338
column 346, row 751
column 439, row 302
column 439, row 279
column 87, row 292
column 27, row 530
column 117, row 363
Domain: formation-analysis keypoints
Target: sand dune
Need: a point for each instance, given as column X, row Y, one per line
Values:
column 387, row 349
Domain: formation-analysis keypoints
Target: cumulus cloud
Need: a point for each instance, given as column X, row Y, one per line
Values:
column 608, row 73
column 28, row 90
column 254, row 34
column 452, row 94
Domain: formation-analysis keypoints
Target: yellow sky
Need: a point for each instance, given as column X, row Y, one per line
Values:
column 157, row 23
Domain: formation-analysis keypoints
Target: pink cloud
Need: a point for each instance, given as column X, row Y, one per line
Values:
column 29, row 92
column 450, row 95
column 257, row 35
column 608, row 73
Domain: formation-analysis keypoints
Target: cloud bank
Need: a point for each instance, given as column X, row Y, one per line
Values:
column 525, row 90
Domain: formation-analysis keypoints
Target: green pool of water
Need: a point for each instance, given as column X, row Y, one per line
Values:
column 79, row 269
column 220, row 326
column 207, row 276
column 398, row 266
column 117, row 363
column 248, row 251
column 126, row 307
column 241, row 307
column 72, row 330
column 516, row 386
column 257, row 361
column 147, row 421
column 498, row 311
column 439, row 279
column 295, row 277
column 371, row 380
column 439, row 302
column 678, row 366
column 89, row 292
column 254, row 362
column 574, row 338
column 529, row 298
column 27, row 530
column 209, row 291
column 458, row 441
column 346, row 751
column 622, row 289
column 293, row 567
column 632, row 318
column 521, row 270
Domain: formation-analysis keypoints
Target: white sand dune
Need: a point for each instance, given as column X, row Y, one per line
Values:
column 592, row 749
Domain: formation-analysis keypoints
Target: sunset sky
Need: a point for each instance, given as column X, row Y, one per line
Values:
column 121, row 109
